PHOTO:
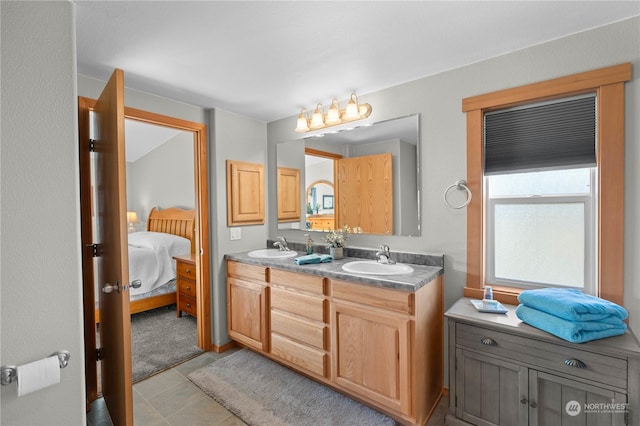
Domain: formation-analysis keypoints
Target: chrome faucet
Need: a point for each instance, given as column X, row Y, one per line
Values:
column 384, row 256
column 281, row 243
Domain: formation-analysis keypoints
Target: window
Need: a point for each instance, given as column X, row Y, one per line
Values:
column 602, row 204
column 540, row 225
column 541, row 229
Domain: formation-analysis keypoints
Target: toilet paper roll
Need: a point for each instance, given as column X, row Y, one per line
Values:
column 38, row 375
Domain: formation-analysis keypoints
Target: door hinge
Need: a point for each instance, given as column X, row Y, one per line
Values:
column 99, row 354
column 92, row 145
column 96, row 249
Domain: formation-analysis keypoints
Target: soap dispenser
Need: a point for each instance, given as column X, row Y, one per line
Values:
column 308, row 243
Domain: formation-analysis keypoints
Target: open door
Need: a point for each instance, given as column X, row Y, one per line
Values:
column 365, row 193
column 109, row 259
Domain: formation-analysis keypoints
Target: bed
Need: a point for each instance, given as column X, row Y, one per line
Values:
column 169, row 232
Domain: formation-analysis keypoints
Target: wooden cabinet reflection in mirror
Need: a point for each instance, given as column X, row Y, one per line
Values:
column 288, row 194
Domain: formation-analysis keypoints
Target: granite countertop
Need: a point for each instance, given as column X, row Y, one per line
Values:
column 420, row 276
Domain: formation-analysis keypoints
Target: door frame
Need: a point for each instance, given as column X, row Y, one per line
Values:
column 199, row 131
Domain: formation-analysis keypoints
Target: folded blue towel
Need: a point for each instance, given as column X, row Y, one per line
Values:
column 573, row 331
column 313, row 258
column 571, row 304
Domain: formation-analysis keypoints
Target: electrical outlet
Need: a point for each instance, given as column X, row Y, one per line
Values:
column 235, row 233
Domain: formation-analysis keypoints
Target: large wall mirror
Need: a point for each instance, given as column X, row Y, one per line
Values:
column 367, row 178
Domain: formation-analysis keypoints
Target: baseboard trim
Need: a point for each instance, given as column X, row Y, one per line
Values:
column 223, row 348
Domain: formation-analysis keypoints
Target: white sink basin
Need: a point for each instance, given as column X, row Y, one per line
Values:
column 272, row 254
column 371, row 267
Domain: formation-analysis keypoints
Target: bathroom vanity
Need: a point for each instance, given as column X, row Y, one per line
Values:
column 505, row 372
column 377, row 338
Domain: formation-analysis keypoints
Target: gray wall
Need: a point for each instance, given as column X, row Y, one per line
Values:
column 236, row 138
column 162, row 178
column 438, row 99
column 41, row 306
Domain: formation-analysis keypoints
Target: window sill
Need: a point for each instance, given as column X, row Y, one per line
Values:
column 508, row 295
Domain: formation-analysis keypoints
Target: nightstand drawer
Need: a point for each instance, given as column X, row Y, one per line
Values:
column 576, row 362
column 186, row 270
column 187, row 304
column 187, row 287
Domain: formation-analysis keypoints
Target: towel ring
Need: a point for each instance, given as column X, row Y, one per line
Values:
column 462, row 186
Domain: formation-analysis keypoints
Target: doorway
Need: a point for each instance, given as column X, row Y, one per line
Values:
column 201, row 226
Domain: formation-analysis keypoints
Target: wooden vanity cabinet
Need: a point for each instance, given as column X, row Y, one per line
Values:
column 383, row 347
column 247, row 305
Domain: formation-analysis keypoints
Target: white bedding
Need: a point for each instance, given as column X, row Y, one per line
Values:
column 150, row 259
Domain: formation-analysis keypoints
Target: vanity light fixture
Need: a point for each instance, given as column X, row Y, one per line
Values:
column 334, row 116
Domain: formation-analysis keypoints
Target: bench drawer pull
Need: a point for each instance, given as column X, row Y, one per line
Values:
column 572, row 362
column 488, row 341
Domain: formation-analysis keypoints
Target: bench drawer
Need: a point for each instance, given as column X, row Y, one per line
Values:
column 579, row 363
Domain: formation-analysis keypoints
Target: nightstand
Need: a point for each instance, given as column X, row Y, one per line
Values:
column 186, row 284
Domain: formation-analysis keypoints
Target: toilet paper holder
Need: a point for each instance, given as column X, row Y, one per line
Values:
column 9, row 373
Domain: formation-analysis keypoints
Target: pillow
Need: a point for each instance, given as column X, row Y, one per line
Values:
column 174, row 244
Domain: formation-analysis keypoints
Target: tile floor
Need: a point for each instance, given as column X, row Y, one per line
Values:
column 169, row 398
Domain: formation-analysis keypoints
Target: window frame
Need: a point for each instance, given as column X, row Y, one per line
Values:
column 608, row 85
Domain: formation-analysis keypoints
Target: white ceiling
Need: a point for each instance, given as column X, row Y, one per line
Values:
column 267, row 59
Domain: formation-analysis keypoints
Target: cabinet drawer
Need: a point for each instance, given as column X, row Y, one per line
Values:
column 315, row 335
column 187, row 304
column 187, row 287
column 299, row 304
column 244, row 270
column 395, row 300
column 600, row 368
column 186, row 270
column 300, row 355
column 309, row 283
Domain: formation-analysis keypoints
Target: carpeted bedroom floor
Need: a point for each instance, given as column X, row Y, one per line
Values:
column 160, row 340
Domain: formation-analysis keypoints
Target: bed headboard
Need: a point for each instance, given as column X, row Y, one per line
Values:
column 174, row 221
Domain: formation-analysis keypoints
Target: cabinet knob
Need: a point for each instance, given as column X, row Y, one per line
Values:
column 188, row 305
column 533, row 404
column 188, row 271
column 572, row 362
column 188, row 287
column 523, row 400
column 488, row 341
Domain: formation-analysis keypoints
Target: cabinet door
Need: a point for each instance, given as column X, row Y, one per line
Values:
column 562, row 402
column 289, row 200
column 490, row 391
column 371, row 353
column 245, row 193
column 247, row 303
